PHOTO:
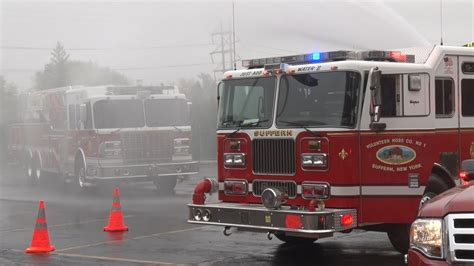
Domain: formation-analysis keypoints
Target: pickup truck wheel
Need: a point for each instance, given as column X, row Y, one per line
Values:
column 166, row 184
column 399, row 236
column 294, row 240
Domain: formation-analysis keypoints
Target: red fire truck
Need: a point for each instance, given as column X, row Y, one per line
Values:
column 105, row 133
column 313, row 144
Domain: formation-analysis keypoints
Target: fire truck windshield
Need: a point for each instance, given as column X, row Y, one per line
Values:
column 326, row 99
column 118, row 114
column 166, row 112
column 247, row 102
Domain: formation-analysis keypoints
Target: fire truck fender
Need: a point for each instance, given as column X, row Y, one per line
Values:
column 442, row 174
column 80, row 155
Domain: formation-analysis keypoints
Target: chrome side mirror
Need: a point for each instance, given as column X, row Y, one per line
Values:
column 375, row 87
column 220, row 87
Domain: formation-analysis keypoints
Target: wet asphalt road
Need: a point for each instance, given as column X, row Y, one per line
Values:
column 158, row 232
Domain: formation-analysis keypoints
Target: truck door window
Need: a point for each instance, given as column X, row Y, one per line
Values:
column 391, row 95
column 72, row 116
column 467, row 96
column 444, row 97
column 88, row 122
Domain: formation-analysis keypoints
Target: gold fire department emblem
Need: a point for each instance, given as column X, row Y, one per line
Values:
column 471, row 150
column 343, row 154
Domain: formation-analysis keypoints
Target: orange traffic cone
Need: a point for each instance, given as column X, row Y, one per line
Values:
column 40, row 242
column 116, row 223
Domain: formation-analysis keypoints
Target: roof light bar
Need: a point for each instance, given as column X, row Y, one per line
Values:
column 394, row 56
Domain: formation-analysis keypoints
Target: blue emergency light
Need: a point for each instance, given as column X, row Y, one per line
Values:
column 316, row 56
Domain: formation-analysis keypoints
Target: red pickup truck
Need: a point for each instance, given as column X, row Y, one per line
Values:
column 443, row 233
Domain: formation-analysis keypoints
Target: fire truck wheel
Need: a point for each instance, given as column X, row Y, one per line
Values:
column 37, row 173
column 294, row 240
column 30, row 170
column 399, row 235
column 166, row 184
column 80, row 176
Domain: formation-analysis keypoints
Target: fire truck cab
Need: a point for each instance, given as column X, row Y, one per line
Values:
column 99, row 134
column 313, row 144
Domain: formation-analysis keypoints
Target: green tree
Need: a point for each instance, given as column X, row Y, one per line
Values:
column 61, row 71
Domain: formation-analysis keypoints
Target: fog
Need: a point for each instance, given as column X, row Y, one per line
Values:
column 179, row 43
column 163, row 41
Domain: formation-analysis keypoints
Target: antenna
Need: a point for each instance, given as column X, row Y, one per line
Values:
column 441, row 19
column 233, row 32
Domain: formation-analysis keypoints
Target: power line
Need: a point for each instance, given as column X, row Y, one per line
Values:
column 117, row 68
column 159, row 67
column 36, row 48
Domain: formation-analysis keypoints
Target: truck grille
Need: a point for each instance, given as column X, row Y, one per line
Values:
column 147, row 147
column 288, row 187
column 273, row 156
column 461, row 237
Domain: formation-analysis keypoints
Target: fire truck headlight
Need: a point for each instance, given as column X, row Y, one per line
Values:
column 182, row 146
column 235, row 187
column 234, row 159
column 314, row 160
column 319, row 191
column 426, row 235
column 110, row 149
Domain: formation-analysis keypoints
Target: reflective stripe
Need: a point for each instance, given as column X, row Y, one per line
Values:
column 116, row 208
column 41, row 226
column 366, row 190
column 345, row 191
column 392, row 190
column 41, row 213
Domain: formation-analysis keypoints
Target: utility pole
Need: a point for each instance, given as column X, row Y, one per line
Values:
column 224, row 49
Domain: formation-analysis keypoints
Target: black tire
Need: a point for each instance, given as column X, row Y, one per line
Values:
column 399, row 235
column 294, row 240
column 166, row 184
column 435, row 186
column 30, row 170
column 80, row 177
column 37, row 173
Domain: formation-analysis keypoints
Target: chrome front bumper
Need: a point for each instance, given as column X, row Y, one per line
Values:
column 256, row 217
column 140, row 172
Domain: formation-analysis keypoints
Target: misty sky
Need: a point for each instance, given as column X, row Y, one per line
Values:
column 163, row 41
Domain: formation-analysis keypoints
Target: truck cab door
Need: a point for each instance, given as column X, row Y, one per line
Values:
column 466, row 81
column 392, row 156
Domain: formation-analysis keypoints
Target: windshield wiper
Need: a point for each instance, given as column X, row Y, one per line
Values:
column 230, row 122
column 303, row 125
column 241, row 125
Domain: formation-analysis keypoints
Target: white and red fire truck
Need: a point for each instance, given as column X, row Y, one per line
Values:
column 313, row 144
column 105, row 133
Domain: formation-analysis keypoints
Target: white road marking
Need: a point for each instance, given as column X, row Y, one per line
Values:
column 133, row 238
column 113, row 259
